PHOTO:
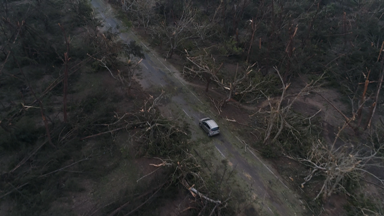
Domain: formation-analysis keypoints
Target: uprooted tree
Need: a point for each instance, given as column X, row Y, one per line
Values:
column 337, row 163
column 180, row 23
column 239, row 83
column 139, row 10
column 177, row 30
column 347, row 158
column 279, row 113
column 168, row 142
column 120, row 59
column 356, row 150
column 32, row 71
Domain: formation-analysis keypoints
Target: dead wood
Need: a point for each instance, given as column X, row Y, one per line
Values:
column 338, row 163
column 27, row 158
column 164, row 163
column 157, row 189
column 254, row 27
column 72, row 164
column 101, row 133
column 376, row 99
column 59, row 80
column 141, row 205
column 240, row 83
column 103, row 64
column 65, row 80
column 42, row 112
column 347, row 120
column 278, row 113
column 360, row 109
column 15, row 189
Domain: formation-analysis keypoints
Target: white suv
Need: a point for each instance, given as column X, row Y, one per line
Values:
column 209, row 126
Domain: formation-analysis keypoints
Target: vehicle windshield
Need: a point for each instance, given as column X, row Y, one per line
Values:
column 215, row 129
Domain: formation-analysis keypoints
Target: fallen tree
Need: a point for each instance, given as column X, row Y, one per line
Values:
column 242, row 82
column 337, row 163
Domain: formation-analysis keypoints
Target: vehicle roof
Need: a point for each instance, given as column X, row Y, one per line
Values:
column 211, row 123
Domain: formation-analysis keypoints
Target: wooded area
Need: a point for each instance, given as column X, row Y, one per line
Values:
column 337, row 44
column 71, row 111
column 72, row 115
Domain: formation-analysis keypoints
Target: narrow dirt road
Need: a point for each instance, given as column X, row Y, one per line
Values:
column 268, row 189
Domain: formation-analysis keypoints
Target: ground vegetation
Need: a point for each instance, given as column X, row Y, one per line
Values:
column 275, row 56
column 72, row 117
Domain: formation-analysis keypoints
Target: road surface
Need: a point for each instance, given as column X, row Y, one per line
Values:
column 268, row 189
